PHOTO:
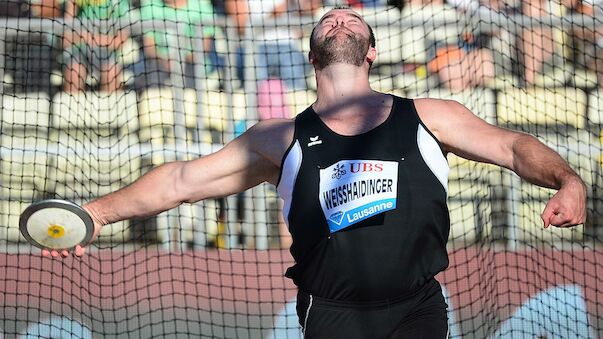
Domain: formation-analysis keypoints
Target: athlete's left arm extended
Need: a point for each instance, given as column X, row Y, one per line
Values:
column 463, row 133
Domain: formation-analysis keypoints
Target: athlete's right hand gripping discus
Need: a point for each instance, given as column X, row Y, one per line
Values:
column 56, row 224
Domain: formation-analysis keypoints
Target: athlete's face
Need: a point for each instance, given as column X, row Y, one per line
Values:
column 341, row 36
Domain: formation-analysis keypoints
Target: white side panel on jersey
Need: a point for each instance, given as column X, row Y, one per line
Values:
column 290, row 169
column 432, row 154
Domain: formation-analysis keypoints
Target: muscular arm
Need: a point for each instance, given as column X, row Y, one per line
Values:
column 234, row 168
column 464, row 134
column 249, row 160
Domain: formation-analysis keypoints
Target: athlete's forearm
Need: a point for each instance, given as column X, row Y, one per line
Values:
column 151, row 194
column 540, row 165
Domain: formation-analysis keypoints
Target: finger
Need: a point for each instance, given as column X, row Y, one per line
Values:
column 54, row 253
column 567, row 221
column 45, row 253
column 546, row 216
column 559, row 220
column 79, row 250
column 65, row 253
column 551, row 209
column 545, row 220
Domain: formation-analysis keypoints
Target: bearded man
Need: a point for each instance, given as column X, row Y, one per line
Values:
column 363, row 177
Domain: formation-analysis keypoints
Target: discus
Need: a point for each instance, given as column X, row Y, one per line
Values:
column 56, row 224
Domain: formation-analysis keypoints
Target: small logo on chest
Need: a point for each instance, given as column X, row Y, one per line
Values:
column 314, row 141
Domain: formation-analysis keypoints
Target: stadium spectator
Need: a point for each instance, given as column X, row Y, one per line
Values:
column 469, row 64
column 587, row 43
column 461, row 65
column 192, row 14
column 93, row 48
column 28, row 8
column 47, row 8
column 238, row 13
column 537, row 43
column 29, row 56
column 492, row 52
column 14, row 9
column 272, row 102
column 278, row 47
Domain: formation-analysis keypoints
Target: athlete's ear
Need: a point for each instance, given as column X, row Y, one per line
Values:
column 311, row 57
column 371, row 55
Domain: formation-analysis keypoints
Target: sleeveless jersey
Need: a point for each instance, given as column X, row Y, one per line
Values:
column 367, row 213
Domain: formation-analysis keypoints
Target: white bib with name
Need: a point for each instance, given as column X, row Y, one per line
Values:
column 354, row 190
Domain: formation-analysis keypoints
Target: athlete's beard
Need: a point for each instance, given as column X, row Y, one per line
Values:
column 351, row 50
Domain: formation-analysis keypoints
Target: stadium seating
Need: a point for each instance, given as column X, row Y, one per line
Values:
column 386, row 24
column 24, row 141
column 218, row 109
column 584, row 79
column 23, row 173
column 530, row 229
column 417, row 39
column 298, row 101
column 470, row 221
column 96, row 142
column 595, row 107
column 95, row 110
column 595, row 119
column 470, row 199
column 91, row 143
column 558, row 118
column 557, row 77
column 502, row 82
column 212, row 115
column 542, row 106
column 27, row 111
column 386, row 84
column 156, row 115
column 415, row 81
column 9, row 219
column 25, row 119
column 381, row 83
column 578, row 147
column 157, row 119
column 23, row 179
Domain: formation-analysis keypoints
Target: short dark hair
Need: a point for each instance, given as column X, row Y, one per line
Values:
column 372, row 40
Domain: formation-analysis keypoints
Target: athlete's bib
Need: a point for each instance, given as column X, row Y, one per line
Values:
column 354, row 190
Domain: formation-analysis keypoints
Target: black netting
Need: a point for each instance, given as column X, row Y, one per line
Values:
column 95, row 93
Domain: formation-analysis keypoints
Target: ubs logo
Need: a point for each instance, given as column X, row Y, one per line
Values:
column 356, row 167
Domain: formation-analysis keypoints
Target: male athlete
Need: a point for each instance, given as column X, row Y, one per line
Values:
column 363, row 179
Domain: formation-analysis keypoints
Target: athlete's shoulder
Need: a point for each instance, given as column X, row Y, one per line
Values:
column 448, row 119
column 271, row 137
column 272, row 128
column 428, row 105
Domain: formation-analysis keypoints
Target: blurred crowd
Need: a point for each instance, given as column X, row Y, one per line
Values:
column 96, row 54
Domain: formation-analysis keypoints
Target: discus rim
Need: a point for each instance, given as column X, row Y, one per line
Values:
column 60, row 204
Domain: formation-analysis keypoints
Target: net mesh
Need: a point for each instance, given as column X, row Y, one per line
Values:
column 95, row 93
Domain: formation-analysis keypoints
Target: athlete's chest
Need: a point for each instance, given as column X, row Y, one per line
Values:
column 355, row 124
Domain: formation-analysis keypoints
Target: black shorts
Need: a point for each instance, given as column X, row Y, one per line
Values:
column 422, row 315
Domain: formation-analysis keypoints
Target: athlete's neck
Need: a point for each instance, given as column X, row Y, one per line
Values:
column 340, row 85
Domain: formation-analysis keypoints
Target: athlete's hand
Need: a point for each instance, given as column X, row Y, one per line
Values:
column 567, row 207
column 79, row 250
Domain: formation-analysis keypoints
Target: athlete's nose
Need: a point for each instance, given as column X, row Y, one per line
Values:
column 339, row 20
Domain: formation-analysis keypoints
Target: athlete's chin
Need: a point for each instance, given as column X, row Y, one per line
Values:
column 341, row 32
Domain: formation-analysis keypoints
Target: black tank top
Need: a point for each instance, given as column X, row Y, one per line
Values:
column 367, row 213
